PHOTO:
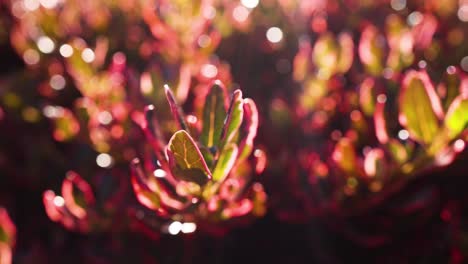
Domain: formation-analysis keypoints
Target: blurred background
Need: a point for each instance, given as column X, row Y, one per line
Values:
column 353, row 142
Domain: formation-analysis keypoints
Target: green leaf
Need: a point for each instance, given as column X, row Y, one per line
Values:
column 233, row 119
column 420, row 107
column 207, row 155
column 450, row 84
column 186, row 159
column 214, row 113
column 225, row 162
column 457, row 116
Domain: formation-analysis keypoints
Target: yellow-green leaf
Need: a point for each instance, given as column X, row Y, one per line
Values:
column 186, row 159
column 344, row 155
column 367, row 98
column 457, row 116
column 325, row 54
column 225, row 162
column 420, row 107
column 346, row 52
column 233, row 119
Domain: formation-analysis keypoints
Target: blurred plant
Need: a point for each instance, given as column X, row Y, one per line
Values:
column 429, row 136
column 208, row 180
column 7, row 237
column 117, row 44
column 351, row 83
column 75, row 209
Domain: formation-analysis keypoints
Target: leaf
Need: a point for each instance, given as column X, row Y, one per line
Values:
column 233, row 119
column 214, row 113
column 374, row 164
column 175, row 109
column 225, row 162
column 7, row 228
column 151, row 193
column 367, row 98
column 314, row 90
column 146, row 196
column 420, row 107
column 207, row 155
column 371, row 50
column 380, row 123
column 72, row 183
column 346, row 52
column 250, row 127
column 301, row 61
column 186, row 159
column 344, row 155
column 398, row 151
column 449, row 88
column 237, row 209
column 456, row 119
column 325, row 54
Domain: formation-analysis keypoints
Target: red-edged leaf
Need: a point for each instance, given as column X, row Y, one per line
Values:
column 175, row 109
column 371, row 50
column 77, row 203
column 233, row 119
column 379, row 120
column 250, row 128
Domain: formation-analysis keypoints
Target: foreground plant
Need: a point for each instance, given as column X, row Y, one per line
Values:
column 203, row 173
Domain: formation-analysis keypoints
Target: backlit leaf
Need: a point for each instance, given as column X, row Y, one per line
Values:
column 457, row 116
column 346, row 53
column 175, row 109
column 186, row 159
column 367, row 98
column 420, row 107
column 371, row 50
column 250, row 128
column 225, row 162
column 374, row 164
column 233, row 119
column 398, row 151
column 325, row 54
column 344, row 155
column 214, row 113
